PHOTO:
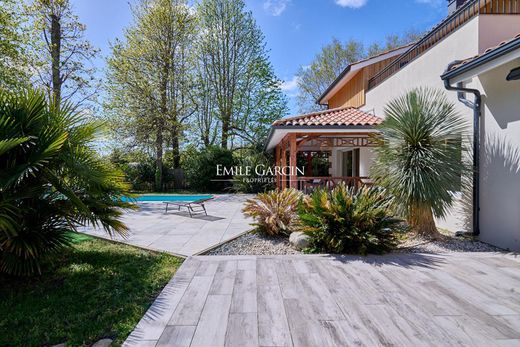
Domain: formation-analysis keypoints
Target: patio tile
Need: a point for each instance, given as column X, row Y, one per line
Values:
column 150, row 227
column 306, row 300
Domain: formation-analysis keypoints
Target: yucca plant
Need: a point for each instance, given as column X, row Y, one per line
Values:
column 275, row 212
column 421, row 157
column 51, row 180
column 350, row 221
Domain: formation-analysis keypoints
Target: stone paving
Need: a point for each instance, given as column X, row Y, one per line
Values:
column 177, row 233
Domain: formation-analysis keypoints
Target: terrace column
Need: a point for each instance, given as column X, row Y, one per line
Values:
column 293, row 150
column 283, row 163
column 276, row 160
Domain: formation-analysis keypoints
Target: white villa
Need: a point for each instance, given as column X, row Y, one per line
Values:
column 474, row 55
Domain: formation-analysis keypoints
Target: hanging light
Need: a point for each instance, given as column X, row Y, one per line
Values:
column 514, row 75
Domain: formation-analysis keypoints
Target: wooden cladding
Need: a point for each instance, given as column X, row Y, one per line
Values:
column 352, row 94
column 468, row 11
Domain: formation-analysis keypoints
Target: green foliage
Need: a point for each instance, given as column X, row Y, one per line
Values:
column 51, row 180
column 13, row 40
column 348, row 221
column 419, row 159
column 61, row 54
column 324, row 69
column 252, row 182
column 275, row 212
column 149, row 78
column 138, row 167
column 200, row 168
column 93, row 290
column 235, row 72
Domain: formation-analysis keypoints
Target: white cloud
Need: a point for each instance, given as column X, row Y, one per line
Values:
column 276, row 7
column 434, row 3
column 291, row 86
column 351, row 3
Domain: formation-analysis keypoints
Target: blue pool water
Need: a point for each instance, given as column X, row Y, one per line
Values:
column 167, row 198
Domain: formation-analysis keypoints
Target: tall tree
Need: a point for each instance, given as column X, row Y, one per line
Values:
column 232, row 53
column 149, row 78
column 13, row 39
column 64, row 57
column 206, row 127
column 313, row 80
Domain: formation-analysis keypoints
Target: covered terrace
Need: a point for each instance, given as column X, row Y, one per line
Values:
column 322, row 149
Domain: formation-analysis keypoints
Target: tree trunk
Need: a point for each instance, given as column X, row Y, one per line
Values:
column 55, row 57
column 159, row 140
column 159, row 156
column 176, row 148
column 422, row 221
column 225, row 131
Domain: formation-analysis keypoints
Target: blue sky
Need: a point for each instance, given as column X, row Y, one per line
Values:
column 295, row 30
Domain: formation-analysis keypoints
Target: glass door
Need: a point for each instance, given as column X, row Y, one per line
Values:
column 350, row 163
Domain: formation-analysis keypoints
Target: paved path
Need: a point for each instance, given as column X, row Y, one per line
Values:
column 470, row 299
column 177, row 233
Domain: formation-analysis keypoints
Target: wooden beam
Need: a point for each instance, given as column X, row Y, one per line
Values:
column 283, row 163
column 293, row 151
column 277, row 163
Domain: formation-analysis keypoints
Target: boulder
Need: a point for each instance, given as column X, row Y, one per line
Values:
column 299, row 240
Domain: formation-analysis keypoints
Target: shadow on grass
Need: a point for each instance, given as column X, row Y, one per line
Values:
column 94, row 290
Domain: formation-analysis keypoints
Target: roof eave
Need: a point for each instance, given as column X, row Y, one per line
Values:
column 314, row 127
column 330, row 87
column 485, row 58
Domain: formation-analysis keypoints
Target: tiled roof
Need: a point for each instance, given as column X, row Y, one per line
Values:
column 343, row 116
column 486, row 52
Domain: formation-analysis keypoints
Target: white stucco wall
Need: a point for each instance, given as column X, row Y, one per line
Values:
column 500, row 158
column 425, row 71
column 496, row 28
column 366, row 157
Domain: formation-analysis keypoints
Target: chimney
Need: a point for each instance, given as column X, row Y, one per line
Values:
column 454, row 5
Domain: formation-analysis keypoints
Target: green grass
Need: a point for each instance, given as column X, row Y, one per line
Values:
column 96, row 289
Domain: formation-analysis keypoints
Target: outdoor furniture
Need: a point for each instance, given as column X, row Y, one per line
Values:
column 193, row 207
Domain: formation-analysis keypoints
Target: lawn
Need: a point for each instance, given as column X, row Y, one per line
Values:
column 97, row 289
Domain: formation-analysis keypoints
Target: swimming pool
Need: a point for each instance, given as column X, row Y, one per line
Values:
column 142, row 198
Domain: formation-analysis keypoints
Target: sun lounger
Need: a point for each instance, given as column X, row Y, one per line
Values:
column 193, row 207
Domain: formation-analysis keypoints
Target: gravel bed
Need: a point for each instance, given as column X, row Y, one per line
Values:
column 255, row 244
column 447, row 244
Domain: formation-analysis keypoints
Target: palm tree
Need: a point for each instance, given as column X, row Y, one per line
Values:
column 420, row 158
column 51, row 180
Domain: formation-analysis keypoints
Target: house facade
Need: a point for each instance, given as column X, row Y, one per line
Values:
column 474, row 31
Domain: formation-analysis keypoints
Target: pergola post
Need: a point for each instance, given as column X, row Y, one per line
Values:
column 293, row 150
column 283, row 163
column 276, row 163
